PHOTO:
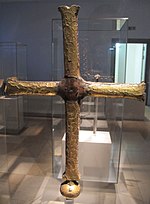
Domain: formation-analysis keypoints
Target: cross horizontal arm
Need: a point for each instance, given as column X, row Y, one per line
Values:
column 16, row 87
column 112, row 90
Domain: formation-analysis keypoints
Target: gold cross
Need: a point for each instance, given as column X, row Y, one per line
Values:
column 72, row 88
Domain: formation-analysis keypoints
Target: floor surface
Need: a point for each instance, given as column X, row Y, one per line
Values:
column 26, row 163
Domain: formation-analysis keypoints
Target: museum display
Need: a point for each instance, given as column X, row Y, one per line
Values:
column 73, row 88
column 12, row 63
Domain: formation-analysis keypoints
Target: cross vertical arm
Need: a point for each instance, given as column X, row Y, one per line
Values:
column 70, row 187
column 69, row 90
column 72, row 89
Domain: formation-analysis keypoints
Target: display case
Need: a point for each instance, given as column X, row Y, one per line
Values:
column 4, row 183
column 100, row 120
column 13, row 64
column 13, row 60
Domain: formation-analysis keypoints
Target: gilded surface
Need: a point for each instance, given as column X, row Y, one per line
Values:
column 16, row 87
column 72, row 131
column 134, row 91
column 70, row 188
column 70, row 37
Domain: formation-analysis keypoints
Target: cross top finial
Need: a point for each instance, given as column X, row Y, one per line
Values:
column 70, row 36
column 72, row 8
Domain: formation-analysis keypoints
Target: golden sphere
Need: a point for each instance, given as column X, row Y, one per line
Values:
column 70, row 189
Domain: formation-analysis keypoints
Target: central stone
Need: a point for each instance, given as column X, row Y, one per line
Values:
column 72, row 89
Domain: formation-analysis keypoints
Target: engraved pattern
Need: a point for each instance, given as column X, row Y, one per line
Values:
column 112, row 90
column 72, row 131
column 16, row 87
column 70, row 36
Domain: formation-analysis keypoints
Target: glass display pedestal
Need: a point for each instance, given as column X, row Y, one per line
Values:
column 65, row 202
column 14, row 116
column 69, row 201
column 94, row 156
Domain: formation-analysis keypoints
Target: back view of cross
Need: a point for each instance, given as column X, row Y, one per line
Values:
column 72, row 88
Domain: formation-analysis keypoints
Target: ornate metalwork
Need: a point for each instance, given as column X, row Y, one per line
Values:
column 16, row 87
column 72, row 89
column 70, row 33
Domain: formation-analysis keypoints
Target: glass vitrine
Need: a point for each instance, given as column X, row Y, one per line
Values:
column 100, row 118
column 13, row 64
